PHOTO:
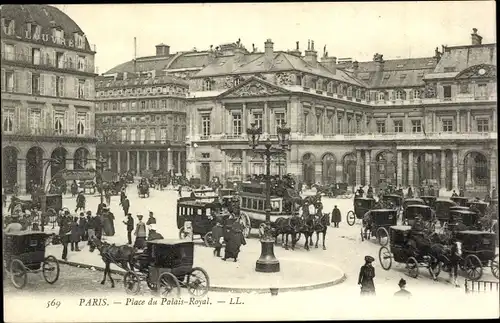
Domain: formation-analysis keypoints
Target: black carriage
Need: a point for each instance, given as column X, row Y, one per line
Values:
column 166, row 266
column 195, row 217
column 401, row 252
column 394, row 199
column 24, row 253
column 340, row 190
column 378, row 221
column 480, row 206
column 478, row 251
column 226, row 195
column 429, row 200
column 442, row 208
column 425, row 212
column 361, row 206
column 143, row 188
column 466, row 218
column 460, row 200
column 195, row 182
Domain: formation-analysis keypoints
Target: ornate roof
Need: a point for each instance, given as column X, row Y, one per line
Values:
column 45, row 16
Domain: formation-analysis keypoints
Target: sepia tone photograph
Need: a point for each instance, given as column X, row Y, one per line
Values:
column 249, row 161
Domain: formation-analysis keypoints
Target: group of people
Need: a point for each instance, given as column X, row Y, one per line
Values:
column 142, row 231
column 228, row 234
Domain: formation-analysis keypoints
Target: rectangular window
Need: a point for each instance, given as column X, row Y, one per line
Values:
column 59, row 122
column 132, row 135
column 60, row 60
column 143, row 105
column 257, row 119
column 35, row 56
column 115, row 106
column 124, row 134
column 163, row 104
column 279, row 119
column 35, row 116
column 81, row 63
column 134, row 104
column 153, row 104
column 81, row 123
column 9, row 52
column 398, row 126
column 483, row 125
column 447, row 92
column 205, row 125
column 236, row 124
column 481, row 91
column 35, row 84
column 339, row 125
column 9, row 81
column 236, row 169
column 143, row 135
column 105, row 106
column 304, row 124
column 319, row 124
column 464, row 87
column 133, row 119
column 81, row 89
column 60, row 86
column 152, row 134
column 381, row 126
column 416, row 126
column 163, row 135
column 447, row 125
column 8, row 120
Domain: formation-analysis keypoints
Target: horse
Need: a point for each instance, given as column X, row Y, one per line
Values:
column 321, row 224
column 287, row 227
column 122, row 256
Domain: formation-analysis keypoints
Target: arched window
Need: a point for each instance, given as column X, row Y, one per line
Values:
column 381, row 96
column 349, row 91
column 207, row 85
column 400, row 95
column 416, row 94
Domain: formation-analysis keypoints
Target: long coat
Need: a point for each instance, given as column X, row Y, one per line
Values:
column 80, row 201
column 233, row 244
column 75, row 232
column 217, row 234
column 108, row 224
column 336, row 217
column 366, row 275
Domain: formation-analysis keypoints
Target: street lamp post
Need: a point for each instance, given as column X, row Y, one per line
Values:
column 43, row 202
column 267, row 261
column 101, row 161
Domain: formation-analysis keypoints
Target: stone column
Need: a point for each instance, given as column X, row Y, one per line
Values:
column 128, row 160
column 367, row 166
column 468, row 167
column 455, row 170
column 334, row 123
column 399, row 170
column 138, row 162
column 158, row 160
column 223, row 120
column 345, row 123
column 493, row 172
column 265, row 120
column 110, row 161
column 118, row 166
column 494, row 122
column 244, row 168
column 410, row 167
column 147, row 159
column 170, row 160
column 358, row 167
column 458, row 121
column 443, row 169
column 244, row 118
column 179, row 161
column 21, row 174
column 469, row 128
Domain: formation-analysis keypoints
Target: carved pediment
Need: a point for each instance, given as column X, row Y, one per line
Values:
column 254, row 87
column 478, row 71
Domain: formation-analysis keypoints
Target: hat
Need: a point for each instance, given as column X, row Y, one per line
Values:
column 369, row 259
column 402, row 282
column 89, row 213
column 139, row 216
column 150, row 212
column 81, row 214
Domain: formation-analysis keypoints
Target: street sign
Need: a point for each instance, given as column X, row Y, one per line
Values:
column 78, row 174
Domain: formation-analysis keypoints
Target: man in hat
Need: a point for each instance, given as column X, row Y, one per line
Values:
column 454, row 194
column 83, row 227
column 402, row 289
column 91, row 225
column 151, row 219
column 125, row 205
column 65, row 233
column 455, row 257
column 366, row 275
column 80, row 202
column 218, row 236
column 130, row 227
column 336, row 217
column 153, row 235
column 140, row 233
column 108, row 222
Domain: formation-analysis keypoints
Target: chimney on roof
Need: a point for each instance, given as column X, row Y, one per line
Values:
column 476, row 39
column 379, row 62
column 162, row 50
column 437, row 54
column 355, row 67
column 269, row 49
column 330, row 63
column 311, row 56
column 296, row 51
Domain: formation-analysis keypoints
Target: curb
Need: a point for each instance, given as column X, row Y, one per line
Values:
column 258, row 290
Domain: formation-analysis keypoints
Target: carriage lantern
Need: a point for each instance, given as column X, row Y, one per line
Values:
column 254, row 135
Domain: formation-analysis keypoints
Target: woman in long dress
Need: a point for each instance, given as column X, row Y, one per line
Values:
column 235, row 239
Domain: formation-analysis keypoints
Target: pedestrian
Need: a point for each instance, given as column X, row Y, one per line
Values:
column 218, row 236
column 98, row 226
column 65, row 233
column 369, row 192
column 125, row 205
column 130, row 227
column 366, row 275
column 152, row 219
column 107, row 194
column 494, row 193
column 402, row 289
column 455, row 257
column 179, row 190
column 454, row 194
column 80, row 202
column 108, row 222
column 153, row 235
column 234, row 242
column 91, row 225
column 83, row 227
column 461, row 192
column 75, row 234
column 336, row 217
column 74, row 188
column 14, row 225
column 140, row 233
column 4, row 197
column 122, row 195
column 409, row 194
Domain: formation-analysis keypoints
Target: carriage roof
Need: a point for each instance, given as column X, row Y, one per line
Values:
column 400, row 227
column 476, row 233
column 478, row 202
column 460, row 198
column 193, row 202
column 463, row 212
column 418, row 206
column 171, row 242
column 361, row 198
column 445, row 200
column 380, row 211
column 414, row 200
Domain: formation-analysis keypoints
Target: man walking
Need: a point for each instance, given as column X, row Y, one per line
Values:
column 336, row 217
column 91, row 224
column 80, row 202
column 130, row 227
column 65, row 233
column 125, row 205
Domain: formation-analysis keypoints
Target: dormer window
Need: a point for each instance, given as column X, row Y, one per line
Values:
column 28, row 30
column 9, row 26
column 349, row 91
column 236, row 81
column 36, row 31
column 400, row 95
column 381, row 96
column 207, row 85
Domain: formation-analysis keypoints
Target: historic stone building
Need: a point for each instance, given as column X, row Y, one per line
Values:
column 403, row 121
column 47, row 94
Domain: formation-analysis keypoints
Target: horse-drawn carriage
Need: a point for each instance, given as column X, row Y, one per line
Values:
column 166, row 266
column 339, row 190
column 429, row 200
column 460, row 200
column 378, row 221
column 226, row 195
column 478, row 206
column 195, row 217
column 425, row 212
column 361, row 206
column 401, row 252
column 24, row 252
column 442, row 208
column 478, row 251
column 143, row 188
column 394, row 199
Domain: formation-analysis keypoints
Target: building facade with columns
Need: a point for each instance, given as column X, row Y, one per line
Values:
column 47, row 95
column 141, row 122
column 403, row 121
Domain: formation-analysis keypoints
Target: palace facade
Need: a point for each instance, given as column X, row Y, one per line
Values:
column 403, row 121
column 47, row 95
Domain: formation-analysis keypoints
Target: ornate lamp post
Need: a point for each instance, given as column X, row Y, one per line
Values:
column 101, row 162
column 43, row 202
column 267, row 262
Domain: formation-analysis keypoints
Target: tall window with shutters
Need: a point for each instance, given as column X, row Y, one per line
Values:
column 59, row 122
column 152, row 134
column 60, row 86
column 81, row 88
column 205, row 125
column 81, row 122
column 8, row 120
column 124, row 135
column 35, row 56
column 132, row 135
column 279, row 119
column 257, row 119
column 81, row 63
column 163, row 135
column 35, row 84
column 34, row 122
column 143, row 135
column 237, row 125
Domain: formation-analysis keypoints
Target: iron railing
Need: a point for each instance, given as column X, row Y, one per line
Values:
column 46, row 61
column 44, row 132
column 481, row 286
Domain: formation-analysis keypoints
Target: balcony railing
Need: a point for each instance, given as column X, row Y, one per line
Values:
column 400, row 136
column 45, row 61
column 44, row 132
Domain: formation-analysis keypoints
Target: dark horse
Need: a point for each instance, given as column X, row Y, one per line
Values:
column 321, row 223
column 288, row 227
column 122, row 256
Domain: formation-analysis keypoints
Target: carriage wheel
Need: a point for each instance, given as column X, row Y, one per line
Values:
column 208, row 239
column 385, row 258
column 494, row 266
column 473, row 267
column 245, row 220
column 436, row 270
column 351, row 218
column 198, row 282
column 50, row 269
column 132, row 283
column 382, row 236
column 168, row 285
column 18, row 274
column 412, row 267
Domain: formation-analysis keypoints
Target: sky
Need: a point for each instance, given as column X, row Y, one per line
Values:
column 356, row 30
